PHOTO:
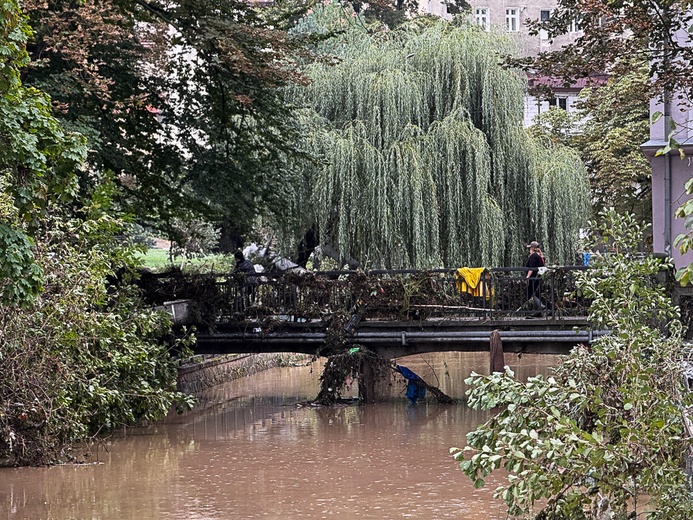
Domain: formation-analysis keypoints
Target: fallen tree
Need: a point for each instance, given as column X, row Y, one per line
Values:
column 345, row 367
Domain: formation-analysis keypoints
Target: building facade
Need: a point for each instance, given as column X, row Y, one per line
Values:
column 670, row 171
column 511, row 16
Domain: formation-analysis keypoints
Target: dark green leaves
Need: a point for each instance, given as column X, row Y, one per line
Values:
column 20, row 277
column 610, row 422
column 38, row 161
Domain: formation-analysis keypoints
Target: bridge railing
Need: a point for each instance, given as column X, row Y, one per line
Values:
column 397, row 295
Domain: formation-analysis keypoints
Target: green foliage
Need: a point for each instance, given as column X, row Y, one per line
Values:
column 192, row 238
column 606, row 435
column 180, row 100
column 556, row 124
column 615, row 32
column 238, row 132
column 20, row 277
column 617, row 123
column 97, row 61
column 13, row 32
column 156, row 259
column 78, row 352
column 38, row 156
column 610, row 124
column 84, row 356
column 423, row 159
column 37, row 162
column 137, row 234
column 684, row 241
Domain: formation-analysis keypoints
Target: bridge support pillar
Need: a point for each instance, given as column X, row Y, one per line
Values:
column 374, row 385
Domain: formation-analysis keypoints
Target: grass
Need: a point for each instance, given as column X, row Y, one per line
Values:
column 158, row 260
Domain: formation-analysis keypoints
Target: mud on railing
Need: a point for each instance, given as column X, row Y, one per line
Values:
column 495, row 293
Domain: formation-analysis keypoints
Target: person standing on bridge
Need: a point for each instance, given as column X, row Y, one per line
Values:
column 534, row 262
column 250, row 282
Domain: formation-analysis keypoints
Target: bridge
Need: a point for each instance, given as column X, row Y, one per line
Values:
column 392, row 313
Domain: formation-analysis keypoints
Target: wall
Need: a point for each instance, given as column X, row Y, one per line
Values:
column 527, row 10
column 205, row 372
column 669, row 176
column 534, row 107
column 670, row 172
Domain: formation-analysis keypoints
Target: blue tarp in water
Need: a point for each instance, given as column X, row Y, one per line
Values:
column 414, row 391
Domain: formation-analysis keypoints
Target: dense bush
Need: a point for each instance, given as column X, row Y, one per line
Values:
column 84, row 356
column 608, row 434
column 78, row 352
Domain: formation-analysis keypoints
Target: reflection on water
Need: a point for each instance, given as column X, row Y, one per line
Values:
column 251, row 451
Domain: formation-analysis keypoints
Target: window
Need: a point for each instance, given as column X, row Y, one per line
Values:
column 559, row 102
column 544, row 16
column 512, row 19
column 574, row 26
column 482, row 17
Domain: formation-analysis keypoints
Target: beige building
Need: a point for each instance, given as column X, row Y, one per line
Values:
column 511, row 16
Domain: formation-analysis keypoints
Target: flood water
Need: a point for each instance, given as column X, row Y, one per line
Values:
column 249, row 451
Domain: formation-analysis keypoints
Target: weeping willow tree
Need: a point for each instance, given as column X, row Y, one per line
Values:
column 424, row 159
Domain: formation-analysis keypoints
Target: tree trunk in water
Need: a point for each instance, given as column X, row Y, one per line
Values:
column 374, row 380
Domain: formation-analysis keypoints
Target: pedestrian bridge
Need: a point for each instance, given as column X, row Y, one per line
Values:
column 393, row 313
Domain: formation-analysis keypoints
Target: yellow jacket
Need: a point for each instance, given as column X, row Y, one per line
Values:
column 469, row 280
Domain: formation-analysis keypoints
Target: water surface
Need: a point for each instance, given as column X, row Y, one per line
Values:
column 249, row 451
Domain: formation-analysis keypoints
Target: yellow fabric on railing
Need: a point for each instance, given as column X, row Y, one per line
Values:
column 469, row 280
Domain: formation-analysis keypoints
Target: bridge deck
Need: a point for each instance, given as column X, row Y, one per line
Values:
column 391, row 339
column 394, row 313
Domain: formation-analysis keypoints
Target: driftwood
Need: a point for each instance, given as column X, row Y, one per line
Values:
column 452, row 307
column 441, row 396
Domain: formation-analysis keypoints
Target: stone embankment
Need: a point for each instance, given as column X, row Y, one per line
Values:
column 202, row 372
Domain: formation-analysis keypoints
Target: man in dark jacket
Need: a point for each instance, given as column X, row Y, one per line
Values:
column 249, row 284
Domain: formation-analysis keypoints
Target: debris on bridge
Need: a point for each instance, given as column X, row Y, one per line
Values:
column 313, row 297
column 336, row 314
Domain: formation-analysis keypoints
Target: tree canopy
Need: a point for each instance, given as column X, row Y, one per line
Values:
column 615, row 32
column 181, row 101
column 424, row 161
column 38, row 161
column 613, row 35
column 78, row 353
column 609, row 124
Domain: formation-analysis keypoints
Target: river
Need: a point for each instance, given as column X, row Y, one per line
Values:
column 250, row 451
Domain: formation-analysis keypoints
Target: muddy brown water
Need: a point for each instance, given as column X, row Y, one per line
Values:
column 250, row 452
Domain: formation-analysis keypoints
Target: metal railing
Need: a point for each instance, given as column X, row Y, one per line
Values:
column 396, row 295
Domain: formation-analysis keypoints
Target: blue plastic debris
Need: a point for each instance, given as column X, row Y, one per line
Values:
column 414, row 390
